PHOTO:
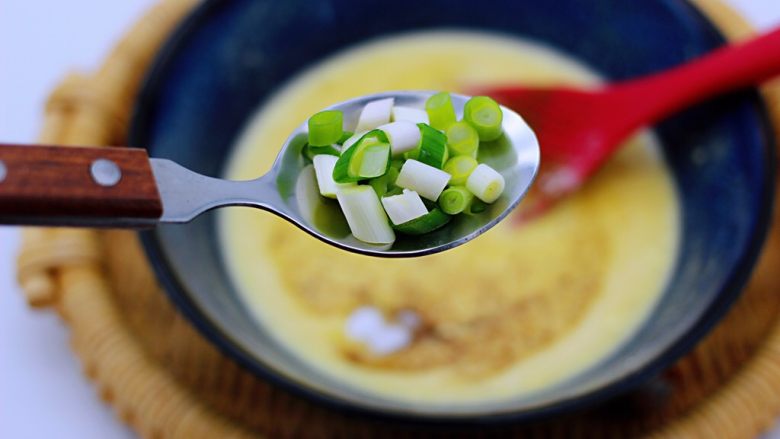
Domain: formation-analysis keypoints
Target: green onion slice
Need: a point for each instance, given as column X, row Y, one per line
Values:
column 365, row 215
column 485, row 183
column 424, row 224
column 397, row 164
column 433, row 147
column 345, row 137
column 424, row 179
column 323, row 171
column 370, row 161
column 385, row 183
column 476, row 207
column 326, row 128
column 310, row 151
column 484, row 114
column 395, row 190
column 440, row 111
column 404, row 207
column 460, row 167
column 369, row 157
column 462, row 139
column 455, row 200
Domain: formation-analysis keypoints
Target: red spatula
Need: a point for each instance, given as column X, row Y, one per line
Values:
column 579, row 130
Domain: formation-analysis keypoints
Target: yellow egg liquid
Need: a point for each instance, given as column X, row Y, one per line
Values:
column 519, row 308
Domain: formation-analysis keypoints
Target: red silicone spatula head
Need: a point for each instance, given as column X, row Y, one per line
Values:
column 579, row 130
column 573, row 136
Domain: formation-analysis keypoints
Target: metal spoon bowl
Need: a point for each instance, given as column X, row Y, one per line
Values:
column 122, row 187
column 289, row 189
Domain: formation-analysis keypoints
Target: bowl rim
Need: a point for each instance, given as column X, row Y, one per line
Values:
column 726, row 296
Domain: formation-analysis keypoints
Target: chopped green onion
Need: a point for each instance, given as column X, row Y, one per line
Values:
column 379, row 185
column 323, row 170
column 440, row 111
column 485, row 115
column 375, row 113
column 403, row 136
column 395, row 190
column 485, row 183
column 409, row 114
column 326, row 128
column 371, row 161
column 345, row 137
column 397, row 164
column 384, row 183
column 352, row 140
column 424, row 224
column 426, row 180
column 460, row 167
column 415, row 168
column 455, row 199
column 353, row 165
column 341, row 170
column 365, row 216
column 433, row 147
column 404, row 207
column 310, row 151
column 477, row 206
column 462, row 139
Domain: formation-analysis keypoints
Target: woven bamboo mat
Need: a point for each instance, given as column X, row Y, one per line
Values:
column 179, row 386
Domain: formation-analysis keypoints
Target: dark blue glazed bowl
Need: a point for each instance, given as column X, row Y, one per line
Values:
column 229, row 56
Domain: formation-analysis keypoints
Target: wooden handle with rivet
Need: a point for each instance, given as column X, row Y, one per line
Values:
column 77, row 186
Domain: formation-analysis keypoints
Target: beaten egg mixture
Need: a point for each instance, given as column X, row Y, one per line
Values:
column 520, row 308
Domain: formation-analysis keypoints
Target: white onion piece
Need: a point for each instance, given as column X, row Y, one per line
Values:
column 485, row 183
column 366, row 218
column 375, row 113
column 409, row 114
column 426, row 180
column 404, row 207
column 403, row 136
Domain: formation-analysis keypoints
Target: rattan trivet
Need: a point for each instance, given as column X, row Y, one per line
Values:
column 178, row 386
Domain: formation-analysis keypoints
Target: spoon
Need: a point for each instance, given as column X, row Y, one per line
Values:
column 124, row 188
column 580, row 129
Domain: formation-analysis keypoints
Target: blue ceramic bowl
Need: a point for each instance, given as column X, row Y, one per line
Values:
column 230, row 55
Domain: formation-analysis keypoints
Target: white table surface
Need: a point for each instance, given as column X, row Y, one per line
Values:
column 43, row 393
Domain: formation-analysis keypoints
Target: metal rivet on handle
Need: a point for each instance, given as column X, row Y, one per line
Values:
column 3, row 171
column 105, row 172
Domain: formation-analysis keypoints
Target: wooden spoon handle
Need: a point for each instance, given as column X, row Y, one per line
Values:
column 77, row 186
